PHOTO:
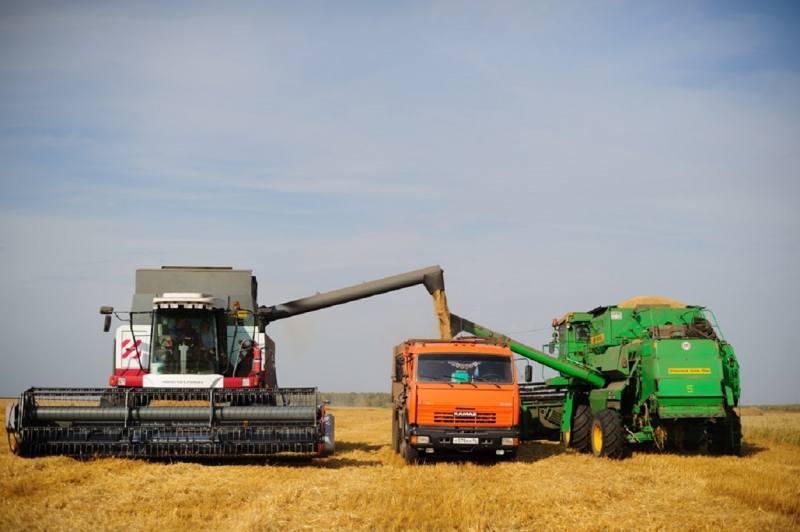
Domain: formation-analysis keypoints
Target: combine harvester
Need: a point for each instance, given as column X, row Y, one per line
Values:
column 194, row 376
column 646, row 370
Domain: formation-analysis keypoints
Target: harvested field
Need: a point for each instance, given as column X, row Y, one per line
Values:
column 367, row 487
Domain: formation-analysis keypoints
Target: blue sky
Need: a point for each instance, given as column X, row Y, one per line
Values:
column 550, row 156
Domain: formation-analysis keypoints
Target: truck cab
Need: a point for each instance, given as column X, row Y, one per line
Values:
column 454, row 397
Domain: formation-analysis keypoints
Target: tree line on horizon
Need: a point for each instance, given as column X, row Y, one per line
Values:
column 362, row 399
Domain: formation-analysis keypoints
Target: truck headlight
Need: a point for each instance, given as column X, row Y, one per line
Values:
column 423, row 439
column 508, row 441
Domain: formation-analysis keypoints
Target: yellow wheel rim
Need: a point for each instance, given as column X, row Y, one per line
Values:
column 597, row 438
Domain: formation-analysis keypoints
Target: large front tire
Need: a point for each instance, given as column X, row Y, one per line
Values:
column 580, row 429
column 608, row 437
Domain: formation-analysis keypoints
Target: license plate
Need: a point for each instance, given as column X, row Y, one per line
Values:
column 469, row 441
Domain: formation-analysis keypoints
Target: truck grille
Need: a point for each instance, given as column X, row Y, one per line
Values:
column 480, row 418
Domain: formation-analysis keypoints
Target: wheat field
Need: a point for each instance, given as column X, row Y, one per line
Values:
column 365, row 486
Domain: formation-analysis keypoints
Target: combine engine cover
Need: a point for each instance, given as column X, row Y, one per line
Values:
column 168, row 423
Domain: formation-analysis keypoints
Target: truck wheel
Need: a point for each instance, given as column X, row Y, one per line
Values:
column 395, row 433
column 410, row 455
column 608, row 438
column 581, row 428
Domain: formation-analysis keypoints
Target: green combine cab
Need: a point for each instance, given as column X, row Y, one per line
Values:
column 649, row 370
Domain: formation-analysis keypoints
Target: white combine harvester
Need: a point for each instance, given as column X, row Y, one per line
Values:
column 194, row 376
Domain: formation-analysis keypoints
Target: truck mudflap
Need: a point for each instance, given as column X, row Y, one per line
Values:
column 169, row 423
column 464, row 440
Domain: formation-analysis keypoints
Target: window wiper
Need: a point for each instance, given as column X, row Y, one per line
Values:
column 485, row 380
column 436, row 379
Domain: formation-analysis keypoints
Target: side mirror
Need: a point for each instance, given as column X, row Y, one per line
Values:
column 528, row 373
column 107, row 312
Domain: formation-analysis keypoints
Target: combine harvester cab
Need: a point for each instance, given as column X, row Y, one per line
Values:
column 649, row 370
column 194, row 376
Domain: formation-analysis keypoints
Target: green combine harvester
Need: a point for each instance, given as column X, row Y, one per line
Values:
column 649, row 370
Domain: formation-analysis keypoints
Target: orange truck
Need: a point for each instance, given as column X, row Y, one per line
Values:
column 454, row 396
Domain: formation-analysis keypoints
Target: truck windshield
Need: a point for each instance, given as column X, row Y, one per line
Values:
column 184, row 342
column 464, row 368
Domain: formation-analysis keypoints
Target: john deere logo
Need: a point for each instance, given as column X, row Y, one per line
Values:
column 686, row 346
column 465, row 414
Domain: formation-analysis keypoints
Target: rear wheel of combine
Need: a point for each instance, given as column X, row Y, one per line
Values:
column 727, row 439
column 580, row 429
column 736, row 438
column 608, row 438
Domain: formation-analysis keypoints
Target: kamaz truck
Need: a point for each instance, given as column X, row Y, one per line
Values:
column 454, row 398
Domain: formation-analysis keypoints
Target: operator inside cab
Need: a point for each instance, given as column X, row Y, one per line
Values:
column 181, row 350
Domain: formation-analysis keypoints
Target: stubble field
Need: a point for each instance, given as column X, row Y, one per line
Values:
column 367, row 487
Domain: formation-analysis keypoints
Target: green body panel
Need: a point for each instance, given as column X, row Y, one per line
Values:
column 705, row 407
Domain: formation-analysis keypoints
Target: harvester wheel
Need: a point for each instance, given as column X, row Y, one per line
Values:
column 727, row 439
column 581, row 428
column 608, row 437
column 736, row 440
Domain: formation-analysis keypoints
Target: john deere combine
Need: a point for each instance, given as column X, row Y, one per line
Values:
column 649, row 370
